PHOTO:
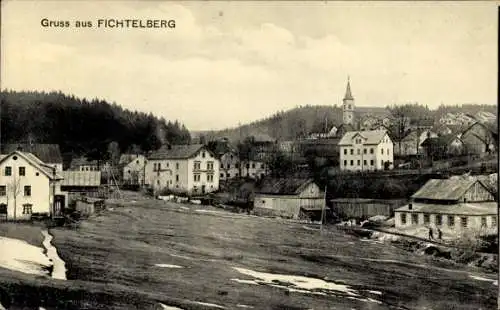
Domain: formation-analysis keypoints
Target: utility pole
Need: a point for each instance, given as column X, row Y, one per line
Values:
column 323, row 210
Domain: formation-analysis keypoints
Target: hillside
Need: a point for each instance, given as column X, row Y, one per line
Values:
column 81, row 126
column 297, row 122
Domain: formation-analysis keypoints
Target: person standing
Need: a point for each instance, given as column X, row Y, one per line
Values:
column 431, row 234
column 440, row 234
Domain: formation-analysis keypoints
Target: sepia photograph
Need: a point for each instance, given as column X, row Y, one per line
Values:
column 281, row 155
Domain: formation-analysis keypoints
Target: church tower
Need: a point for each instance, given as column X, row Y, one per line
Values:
column 348, row 106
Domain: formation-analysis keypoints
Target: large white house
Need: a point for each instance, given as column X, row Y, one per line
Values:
column 29, row 186
column 134, row 168
column 366, row 150
column 189, row 169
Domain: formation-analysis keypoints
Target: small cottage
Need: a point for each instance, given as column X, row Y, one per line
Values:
column 457, row 204
column 290, row 198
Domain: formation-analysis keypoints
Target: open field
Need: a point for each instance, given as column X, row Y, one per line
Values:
column 146, row 252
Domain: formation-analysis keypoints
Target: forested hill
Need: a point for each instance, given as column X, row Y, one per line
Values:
column 292, row 123
column 303, row 120
column 80, row 126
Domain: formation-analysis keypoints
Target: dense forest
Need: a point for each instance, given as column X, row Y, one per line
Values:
column 81, row 126
column 300, row 121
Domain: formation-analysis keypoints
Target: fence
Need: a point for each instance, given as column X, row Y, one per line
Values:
column 365, row 208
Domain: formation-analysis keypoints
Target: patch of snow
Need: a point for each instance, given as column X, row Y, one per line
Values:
column 2, row 307
column 495, row 282
column 209, row 304
column 243, row 306
column 375, row 292
column 165, row 307
column 196, row 202
column 298, row 284
column 182, row 256
column 19, row 255
column 168, row 266
column 309, row 228
column 210, row 211
column 184, row 208
column 59, row 267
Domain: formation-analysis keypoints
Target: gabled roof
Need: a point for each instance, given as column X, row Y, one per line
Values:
column 440, row 141
column 451, row 189
column 35, row 162
column 348, row 94
column 48, row 153
column 480, row 208
column 284, row 186
column 183, row 151
column 372, row 137
column 345, row 127
column 81, row 178
column 127, row 158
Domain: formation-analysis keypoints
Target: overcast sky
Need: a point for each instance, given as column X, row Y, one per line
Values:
column 228, row 62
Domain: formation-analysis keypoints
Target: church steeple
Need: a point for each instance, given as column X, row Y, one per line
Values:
column 348, row 94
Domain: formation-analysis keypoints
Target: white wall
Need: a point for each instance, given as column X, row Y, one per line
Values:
column 41, row 191
column 203, row 157
column 134, row 170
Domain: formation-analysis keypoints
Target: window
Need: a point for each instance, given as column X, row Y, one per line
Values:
column 359, row 151
column 197, row 165
column 262, row 166
column 364, row 162
column 248, row 166
column 222, row 175
column 159, row 166
column 439, row 220
column 427, row 219
column 403, row 218
column 371, row 150
column 203, row 154
column 463, row 221
column 414, row 219
column 371, row 162
column 483, row 222
column 27, row 208
column 236, row 165
column 345, row 162
column 352, row 162
column 22, row 171
column 8, row 171
column 345, row 151
column 382, row 151
column 176, row 178
column 493, row 221
column 154, row 167
column 137, row 161
column 229, row 175
column 176, row 165
column 253, row 165
column 359, row 162
column 210, row 177
column 352, row 151
column 382, row 163
column 364, row 151
column 3, row 190
column 388, row 152
column 27, row 190
column 197, row 177
column 451, row 220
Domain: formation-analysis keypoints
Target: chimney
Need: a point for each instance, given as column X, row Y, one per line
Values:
column 410, row 206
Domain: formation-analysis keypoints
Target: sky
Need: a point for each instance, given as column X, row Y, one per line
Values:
column 227, row 63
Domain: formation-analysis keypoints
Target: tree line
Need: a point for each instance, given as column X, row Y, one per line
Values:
column 81, row 126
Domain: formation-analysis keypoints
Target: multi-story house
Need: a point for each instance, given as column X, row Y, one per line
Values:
column 28, row 186
column 50, row 154
column 254, row 168
column 366, row 150
column 187, row 169
column 134, row 168
column 229, row 166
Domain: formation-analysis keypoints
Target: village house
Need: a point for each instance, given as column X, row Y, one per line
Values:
column 366, row 150
column 290, row 198
column 457, row 204
column 411, row 144
column 29, row 187
column 50, row 154
column 133, row 168
column 188, row 169
column 80, row 183
column 229, row 165
column 442, row 147
column 85, row 164
column 369, row 122
column 255, row 167
column 480, row 139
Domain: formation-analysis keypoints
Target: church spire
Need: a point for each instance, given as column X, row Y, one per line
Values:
column 348, row 94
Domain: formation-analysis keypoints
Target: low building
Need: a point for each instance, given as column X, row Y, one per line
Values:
column 84, row 164
column 254, row 168
column 444, row 146
column 185, row 169
column 412, row 143
column 133, row 168
column 29, row 187
column 288, row 197
column 455, row 205
column 480, row 139
column 366, row 151
column 81, row 183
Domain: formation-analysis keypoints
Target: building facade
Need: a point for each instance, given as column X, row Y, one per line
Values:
column 455, row 205
column 366, row 151
column 229, row 166
column 29, row 187
column 184, row 169
column 134, row 171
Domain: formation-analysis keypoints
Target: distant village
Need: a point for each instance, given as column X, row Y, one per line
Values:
column 35, row 183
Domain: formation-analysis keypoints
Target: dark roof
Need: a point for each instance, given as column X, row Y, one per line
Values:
column 443, row 140
column 446, row 189
column 182, row 151
column 346, row 127
column 474, row 208
column 284, row 186
column 48, row 153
